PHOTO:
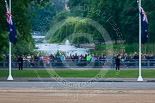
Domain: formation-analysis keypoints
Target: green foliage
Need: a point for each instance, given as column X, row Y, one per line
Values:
column 74, row 29
column 23, row 48
column 131, row 49
column 102, row 48
column 148, row 48
column 106, row 13
column 4, row 45
column 129, row 17
column 41, row 53
column 44, row 15
column 22, row 15
column 79, row 7
column 118, row 17
column 123, row 13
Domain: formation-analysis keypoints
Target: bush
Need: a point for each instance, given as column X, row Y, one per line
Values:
column 148, row 48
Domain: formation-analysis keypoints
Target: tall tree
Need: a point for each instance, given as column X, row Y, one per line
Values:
column 22, row 14
column 45, row 14
column 118, row 17
column 130, row 21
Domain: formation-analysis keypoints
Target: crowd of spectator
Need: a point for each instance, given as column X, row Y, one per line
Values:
column 78, row 60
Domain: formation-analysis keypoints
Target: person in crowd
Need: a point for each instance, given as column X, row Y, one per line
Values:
column 36, row 60
column 92, row 58
column 102, row 60
column 136, row 56
column 109, row 60
column 88, row 58
column 45, row 61
column 59, row 61
column 7, row 60
column 48, row 61
column 20, row 62
column 76, row 59
column 63, row 59
column 117, row 63
column 40, row 62
column 96, row 64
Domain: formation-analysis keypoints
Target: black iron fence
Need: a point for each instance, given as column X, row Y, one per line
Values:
column 69, row 63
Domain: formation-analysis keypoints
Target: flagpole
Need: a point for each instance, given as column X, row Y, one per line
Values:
column 140, row 79
column 10, row 75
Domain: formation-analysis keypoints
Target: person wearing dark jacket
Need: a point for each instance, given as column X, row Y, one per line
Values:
column 117, row 63
column 20, row 62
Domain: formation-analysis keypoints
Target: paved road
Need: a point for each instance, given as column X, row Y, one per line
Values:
column 104, row 83
column 76, row 79
column 81, row 85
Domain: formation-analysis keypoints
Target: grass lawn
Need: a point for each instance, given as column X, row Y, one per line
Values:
column 79, row 73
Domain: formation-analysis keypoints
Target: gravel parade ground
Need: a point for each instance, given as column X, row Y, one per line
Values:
column 76, row 96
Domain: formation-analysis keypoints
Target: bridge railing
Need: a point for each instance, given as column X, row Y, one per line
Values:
column 70, row 63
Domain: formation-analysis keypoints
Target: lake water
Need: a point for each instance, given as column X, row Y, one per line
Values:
column 67, row 48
